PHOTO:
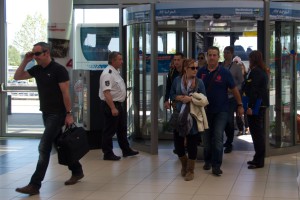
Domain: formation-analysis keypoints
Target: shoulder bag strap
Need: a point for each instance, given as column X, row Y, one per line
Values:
column 211, row 80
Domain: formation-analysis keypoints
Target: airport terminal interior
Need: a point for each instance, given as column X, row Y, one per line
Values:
column 150, row 177
column 83, row 32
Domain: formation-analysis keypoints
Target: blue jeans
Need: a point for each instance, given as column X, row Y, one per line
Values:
column 213, row 138
column 53, row 126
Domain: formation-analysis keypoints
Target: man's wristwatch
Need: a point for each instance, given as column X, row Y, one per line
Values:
column 69, row 112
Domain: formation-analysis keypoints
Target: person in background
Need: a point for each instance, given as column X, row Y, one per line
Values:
column 242, row 121
column 202, row 60
column 112, row 92
column 52, row 81
column 217, row 81
column 255, row 91
column 238, row 78
column 181, row 93
column 175, row 70
column 239, row 62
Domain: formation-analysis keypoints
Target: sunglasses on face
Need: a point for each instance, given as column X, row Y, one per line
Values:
column 193, row 68
column 200, row 58
column 39, row 53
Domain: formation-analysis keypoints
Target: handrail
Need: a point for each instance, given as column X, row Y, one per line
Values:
column 5, row 90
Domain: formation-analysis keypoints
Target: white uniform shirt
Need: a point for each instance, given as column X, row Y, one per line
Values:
column 111, row 79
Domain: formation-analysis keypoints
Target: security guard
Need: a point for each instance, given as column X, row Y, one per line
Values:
column 112, row 93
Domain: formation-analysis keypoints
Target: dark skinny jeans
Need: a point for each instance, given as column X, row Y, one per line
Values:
column 191, row 145
column 53, row 126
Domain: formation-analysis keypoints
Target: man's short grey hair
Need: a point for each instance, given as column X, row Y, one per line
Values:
column 113, row 55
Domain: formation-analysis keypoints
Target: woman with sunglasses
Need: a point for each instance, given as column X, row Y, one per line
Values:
column 182, row 89
column 201, row 60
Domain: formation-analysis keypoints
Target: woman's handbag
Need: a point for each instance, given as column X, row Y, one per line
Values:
column 71, row 145
column 173, row 122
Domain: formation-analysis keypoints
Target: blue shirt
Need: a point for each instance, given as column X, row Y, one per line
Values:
column 217, row 89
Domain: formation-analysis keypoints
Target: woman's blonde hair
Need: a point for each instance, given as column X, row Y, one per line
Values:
column 186, row 63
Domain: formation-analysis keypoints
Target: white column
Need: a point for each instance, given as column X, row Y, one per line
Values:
column 59, row 29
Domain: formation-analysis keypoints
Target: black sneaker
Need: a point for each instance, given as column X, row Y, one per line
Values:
column 228, row 149
column 112, row 157
column 255, row 166
column 130, row 153
column 207, row 166
column 217, row 171
column 251, row 162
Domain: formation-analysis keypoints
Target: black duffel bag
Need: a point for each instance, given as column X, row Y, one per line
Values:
column 71, row 145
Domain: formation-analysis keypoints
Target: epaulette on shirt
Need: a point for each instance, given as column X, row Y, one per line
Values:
column 109, row 71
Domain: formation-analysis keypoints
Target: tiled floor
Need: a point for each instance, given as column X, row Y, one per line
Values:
column 147, row 177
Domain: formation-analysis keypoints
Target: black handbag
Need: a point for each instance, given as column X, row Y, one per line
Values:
column 71, row 145
column 173, row 122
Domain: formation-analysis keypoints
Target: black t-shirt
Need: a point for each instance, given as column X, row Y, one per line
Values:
column 47, row 80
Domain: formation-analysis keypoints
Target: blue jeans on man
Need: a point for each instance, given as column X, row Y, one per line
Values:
column 53, row 126
column 213, row 140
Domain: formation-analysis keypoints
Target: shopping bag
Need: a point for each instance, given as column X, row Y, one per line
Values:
column 71, row 145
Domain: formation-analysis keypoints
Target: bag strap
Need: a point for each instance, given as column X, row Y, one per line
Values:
column 213, row 79
column 171, row 74
column 73, row 125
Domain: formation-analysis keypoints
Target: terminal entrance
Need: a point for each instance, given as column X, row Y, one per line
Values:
column 194, row 34
column 189, row 36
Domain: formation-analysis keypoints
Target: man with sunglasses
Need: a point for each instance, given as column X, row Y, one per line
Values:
column 52, row 81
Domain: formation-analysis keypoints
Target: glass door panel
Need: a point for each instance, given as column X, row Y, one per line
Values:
column 287, row 62
column 166, row 50
column 282, row 76
column 26, row 25
column 139, row 80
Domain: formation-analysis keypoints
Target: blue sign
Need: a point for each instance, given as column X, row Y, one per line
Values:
column 163, row 62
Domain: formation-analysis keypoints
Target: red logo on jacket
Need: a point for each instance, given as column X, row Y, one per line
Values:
column 219, row 78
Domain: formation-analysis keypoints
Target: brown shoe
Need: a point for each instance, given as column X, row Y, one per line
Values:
column 74, row 179
column 29, row 189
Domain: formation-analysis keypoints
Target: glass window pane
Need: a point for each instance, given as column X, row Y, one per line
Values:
column 26, row 25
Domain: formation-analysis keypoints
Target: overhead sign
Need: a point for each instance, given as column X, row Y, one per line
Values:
column 209, row 10
column 136, row 14
column 284, row 11
column 241, row 10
